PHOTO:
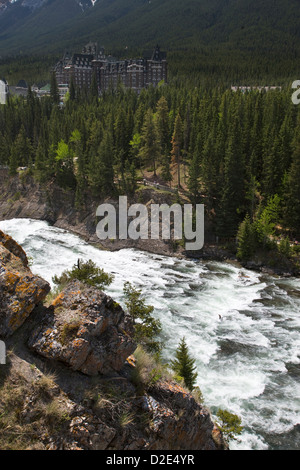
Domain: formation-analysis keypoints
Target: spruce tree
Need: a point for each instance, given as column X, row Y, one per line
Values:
column 54, row 93
column 177, row 139
column 246, row 240
column 150, row 149
column 292, row 194
column 162, row 124
column 193, row 181
column 233, row 197
column 184, row 365
column 146, row 327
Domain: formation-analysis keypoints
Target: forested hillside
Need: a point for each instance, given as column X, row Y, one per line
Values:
column 238, row 153
column 228, row 39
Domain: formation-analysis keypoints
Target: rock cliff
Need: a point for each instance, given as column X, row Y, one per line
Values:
column 86, row 330
column 73, row 378
column 20, row 290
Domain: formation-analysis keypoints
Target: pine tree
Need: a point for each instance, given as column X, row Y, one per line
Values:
column 146, row 327
column 21, row 152
column 229, row 424
column 162, row 124
column 177, row 146
column 166, row 168
column 150, row 149
column 101, row 171
column 232, row 200
column 64, row 166
column 184, row 365
column 79, row 161
column 193, row 181
column 54, row 93
column 292, row 194
column 246, row 240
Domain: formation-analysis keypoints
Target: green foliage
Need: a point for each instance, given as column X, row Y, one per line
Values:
column 285, row 248
column 292, row 193
column 184, row 365
column 86, row 272
column 218, row 144
column 54, row 93
column 147, row 328
column 215, row 40
column 229, row 424
column 246, row 240
column 148, row 370
column 266, row 222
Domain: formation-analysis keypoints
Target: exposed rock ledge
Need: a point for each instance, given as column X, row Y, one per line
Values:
column 85, row 329
column 90, row 402
column 20, row 290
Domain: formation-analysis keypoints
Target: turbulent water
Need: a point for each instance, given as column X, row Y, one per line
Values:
column 248, row 361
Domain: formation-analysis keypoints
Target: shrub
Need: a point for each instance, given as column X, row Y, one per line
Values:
column 146, row 327
column 284, row 247
column 87, row 272
column 230, row 424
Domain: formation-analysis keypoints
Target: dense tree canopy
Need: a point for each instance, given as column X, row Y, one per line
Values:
column 231, row 150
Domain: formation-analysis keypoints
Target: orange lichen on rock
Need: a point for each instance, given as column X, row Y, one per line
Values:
column 20, row 290
column 87, row 333
column 58, row 299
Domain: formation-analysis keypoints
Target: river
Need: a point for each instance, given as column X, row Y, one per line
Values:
column 248, row 362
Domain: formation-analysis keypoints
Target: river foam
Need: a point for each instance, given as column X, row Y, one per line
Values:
column 242, row 328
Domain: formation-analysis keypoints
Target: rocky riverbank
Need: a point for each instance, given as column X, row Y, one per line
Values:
column 73, row 379
column 23, row 197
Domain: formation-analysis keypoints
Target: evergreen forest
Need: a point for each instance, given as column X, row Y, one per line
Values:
column 236, row 152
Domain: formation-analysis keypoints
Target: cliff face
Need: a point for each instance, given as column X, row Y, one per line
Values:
column 23, row 197
column 98, row 395
column 20, row 290
column 86, row 330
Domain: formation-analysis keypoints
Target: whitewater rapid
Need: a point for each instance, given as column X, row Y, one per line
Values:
column 248, row 362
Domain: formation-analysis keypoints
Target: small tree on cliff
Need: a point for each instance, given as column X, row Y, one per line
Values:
column 184, row 365
column 229, row 424
column 146, row 327
column 87, row 272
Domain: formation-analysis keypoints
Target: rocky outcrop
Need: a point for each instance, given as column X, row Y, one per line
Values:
column 171, row 421
column 20, row 290
column 85, row 329
column 112, row 416
column 110, row 404
column 166, row 403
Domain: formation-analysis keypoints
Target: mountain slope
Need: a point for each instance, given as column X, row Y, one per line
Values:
column 240, row 30
column 60, row 23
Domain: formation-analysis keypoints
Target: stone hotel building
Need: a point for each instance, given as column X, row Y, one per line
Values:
column 109, row 71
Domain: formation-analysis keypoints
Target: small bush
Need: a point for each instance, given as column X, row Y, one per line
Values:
column 87, row 272
column 146, row 327
column 147, row 371
column 229, row 424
